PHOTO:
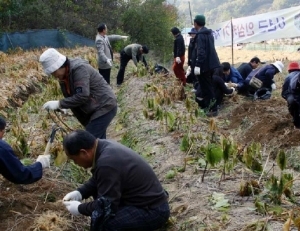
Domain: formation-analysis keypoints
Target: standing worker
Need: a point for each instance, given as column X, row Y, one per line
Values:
column 105, row 53
column 206, row 62
column 85, row 91
column 135, row 52
column 178, row 52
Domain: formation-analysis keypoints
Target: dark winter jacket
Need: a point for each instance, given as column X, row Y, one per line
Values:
column 179, row 47
column 206, row 56
column 90, row 96
column 287, row 89
column 245, row 69
column 122, row 176
column 13, row 170
column 191, row 53
column 294, row 87
column 220, row 89
column 234, row 77
column 266, row 75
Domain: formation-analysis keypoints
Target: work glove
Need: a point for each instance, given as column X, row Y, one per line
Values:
column 124, row 37
column 51, row 105
column 197, row 71
column 109, row 62
column 234, row 85
column 44, row 160
column 273, row 86
column 233, row 90
column 188, row 72
column 177, row 60
column 72, row 206
column 73, row 196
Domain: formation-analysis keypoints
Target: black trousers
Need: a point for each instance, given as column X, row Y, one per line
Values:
column 124, row 59
column 106, row 74
column 207, row 91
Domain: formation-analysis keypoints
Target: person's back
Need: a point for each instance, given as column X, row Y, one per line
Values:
column 266, row 74
column 134, row 177
column 244, row 69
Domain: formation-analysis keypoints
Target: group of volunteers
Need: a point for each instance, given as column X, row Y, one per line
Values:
column 127, row 194
column 212, row 79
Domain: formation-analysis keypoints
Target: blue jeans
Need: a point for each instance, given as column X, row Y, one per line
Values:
column 98, row 126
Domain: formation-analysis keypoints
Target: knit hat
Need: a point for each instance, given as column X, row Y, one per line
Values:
column 200, row 19
column 145, row 49
column 293, row 66
column 193, row 31
column 279, row 65
column 52, row 60
column 175, row 31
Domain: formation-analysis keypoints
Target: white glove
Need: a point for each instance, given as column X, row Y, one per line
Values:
column 188, row 72
column 64, row 111
column 234, row 84
column 72, row 206
column 109, row 62
column 226, row 84
column 177, row 59
column 73, row 196
column 44, row 160
column 273, row 86
column 197, row 71
column 124, row 37
column 233, row 90
column 51, row 105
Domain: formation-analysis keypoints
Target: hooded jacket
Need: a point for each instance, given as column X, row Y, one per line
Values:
column 90, row 96
column 206, row 56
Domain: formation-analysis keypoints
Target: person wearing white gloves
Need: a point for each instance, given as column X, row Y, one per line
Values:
column 85, row 91
column 11, row 167
column 206, row 61
column 179, row 55
column 122, row 179
column 104, row 50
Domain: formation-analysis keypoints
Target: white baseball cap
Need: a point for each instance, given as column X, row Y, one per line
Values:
column 52, row 60
column 279, row 65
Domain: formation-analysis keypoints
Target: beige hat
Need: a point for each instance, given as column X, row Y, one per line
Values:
column 279, row 65
column 52, row 60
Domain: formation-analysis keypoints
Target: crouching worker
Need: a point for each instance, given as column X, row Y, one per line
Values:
column 291, row 92
column 127, row 193
column 12, row 168
column 85, row 91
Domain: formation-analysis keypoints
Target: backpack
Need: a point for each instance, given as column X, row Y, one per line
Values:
column 262, row 93
column 159, row 69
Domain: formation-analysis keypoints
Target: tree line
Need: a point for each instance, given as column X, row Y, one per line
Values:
column 146, row 22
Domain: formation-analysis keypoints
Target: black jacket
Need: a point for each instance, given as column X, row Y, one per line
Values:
column 245, row 69
column 191, row 53
column 206, row 56
column 179, row 47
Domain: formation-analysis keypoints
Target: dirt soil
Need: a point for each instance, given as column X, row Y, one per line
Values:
column 38, row 206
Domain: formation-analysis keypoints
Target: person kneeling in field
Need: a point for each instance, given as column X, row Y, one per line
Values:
column 127, row 193
column 291, row 92
column 12, row 168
